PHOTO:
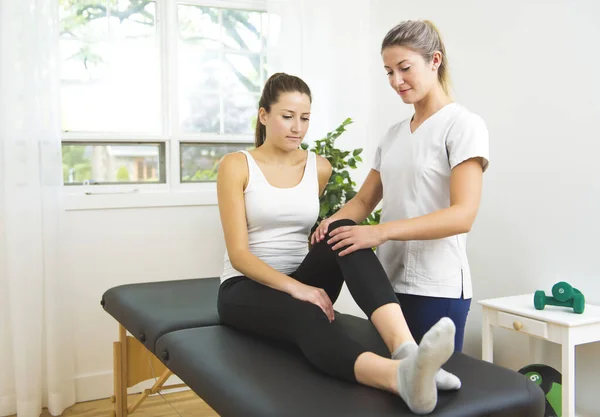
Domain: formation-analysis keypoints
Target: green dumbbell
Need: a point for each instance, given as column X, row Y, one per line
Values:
column 563, row 295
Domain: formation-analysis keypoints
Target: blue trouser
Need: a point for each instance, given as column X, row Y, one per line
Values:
column 422, row 312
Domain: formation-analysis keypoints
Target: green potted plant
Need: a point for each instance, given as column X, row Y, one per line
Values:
column 340, row 188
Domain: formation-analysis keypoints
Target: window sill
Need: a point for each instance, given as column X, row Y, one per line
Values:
column 74, row 201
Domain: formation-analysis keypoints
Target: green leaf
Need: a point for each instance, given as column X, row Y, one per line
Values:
column 333, row 199
column 340, row 187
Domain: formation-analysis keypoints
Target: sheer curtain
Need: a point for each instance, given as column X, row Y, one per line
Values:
column 36, row 356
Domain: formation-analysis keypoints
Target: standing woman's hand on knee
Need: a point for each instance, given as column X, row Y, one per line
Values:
column 356, row 237
column 321, row 231
column 316, row 296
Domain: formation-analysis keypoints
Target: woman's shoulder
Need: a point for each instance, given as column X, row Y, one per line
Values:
column 233, row 164
column 464, row 117
column 323, row 165
column 233, row 159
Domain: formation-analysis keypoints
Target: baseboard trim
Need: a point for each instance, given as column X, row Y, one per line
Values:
column 97, row 386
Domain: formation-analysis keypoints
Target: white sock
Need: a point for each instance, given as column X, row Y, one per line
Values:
column 416, row 373
column 444, row 380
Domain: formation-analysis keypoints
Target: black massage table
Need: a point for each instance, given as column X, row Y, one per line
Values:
column 175, row 330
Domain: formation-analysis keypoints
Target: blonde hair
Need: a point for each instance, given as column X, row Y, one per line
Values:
column 423, row 37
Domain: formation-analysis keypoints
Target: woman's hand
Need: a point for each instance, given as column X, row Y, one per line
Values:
column 316, row 296
column 356, row 237
column 321, row 231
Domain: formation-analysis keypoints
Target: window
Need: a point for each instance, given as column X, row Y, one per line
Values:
column 199, row 160
column 155, row 92
column 106, row 163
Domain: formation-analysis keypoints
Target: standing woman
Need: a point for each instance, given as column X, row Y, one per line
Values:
column 427, row 172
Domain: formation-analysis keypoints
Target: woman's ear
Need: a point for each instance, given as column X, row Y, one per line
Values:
column 436, row 60
column 262, row 116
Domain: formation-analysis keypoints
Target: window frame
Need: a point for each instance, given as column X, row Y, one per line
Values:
column 173, row 192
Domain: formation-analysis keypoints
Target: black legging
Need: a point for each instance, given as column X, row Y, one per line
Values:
column 248, row 305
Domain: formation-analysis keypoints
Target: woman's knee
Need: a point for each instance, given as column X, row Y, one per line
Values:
column 340, row 223
column 312, row 316
column 323, row 245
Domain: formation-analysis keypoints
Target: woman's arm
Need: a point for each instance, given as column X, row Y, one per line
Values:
column 357, row 209
column 365, row 201
column 465, row 196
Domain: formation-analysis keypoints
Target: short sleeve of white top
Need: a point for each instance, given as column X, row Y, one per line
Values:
column 415, row 172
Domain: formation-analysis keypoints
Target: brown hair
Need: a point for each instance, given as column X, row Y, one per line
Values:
column 423, row 37
column 276, row 84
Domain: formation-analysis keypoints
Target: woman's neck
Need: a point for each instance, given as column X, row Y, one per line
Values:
column 277, row 156
column 430, row 104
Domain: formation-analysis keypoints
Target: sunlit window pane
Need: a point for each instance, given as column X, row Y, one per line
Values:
column 199, row 99
column 219, row 89
column 201, row 113
column 241, row 111
column 110, row 67
column 91, row 163
column 83, row 19
column 241, row 73
column 200, row 161
column 199, row 26
column 242, row 30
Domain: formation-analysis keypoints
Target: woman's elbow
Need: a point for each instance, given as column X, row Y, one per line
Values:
column 465, row 227
column 466, row 220
column 236, row 257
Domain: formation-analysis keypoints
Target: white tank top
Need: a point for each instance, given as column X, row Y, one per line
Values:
column 279, row 219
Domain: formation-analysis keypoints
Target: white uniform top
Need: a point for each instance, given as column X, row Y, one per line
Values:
column 415, row 173
column 279, row 219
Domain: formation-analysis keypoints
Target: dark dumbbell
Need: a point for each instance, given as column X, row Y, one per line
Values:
column 563, row 295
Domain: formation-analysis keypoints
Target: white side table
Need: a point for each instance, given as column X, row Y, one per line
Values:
column 555, row 324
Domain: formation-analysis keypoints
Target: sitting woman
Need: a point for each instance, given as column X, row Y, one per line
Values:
column 273, row 285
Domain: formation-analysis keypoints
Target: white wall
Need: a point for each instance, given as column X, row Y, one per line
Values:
column 531, row 70
column 534, row 81
column 105, row 248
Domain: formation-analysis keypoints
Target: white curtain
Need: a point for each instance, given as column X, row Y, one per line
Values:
column 36, row 355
